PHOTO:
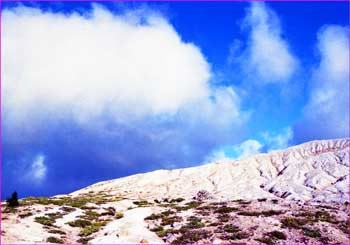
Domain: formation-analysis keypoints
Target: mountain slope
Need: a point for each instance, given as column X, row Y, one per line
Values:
column 314, row 171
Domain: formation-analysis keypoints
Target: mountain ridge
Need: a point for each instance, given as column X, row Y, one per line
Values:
column 321, row 173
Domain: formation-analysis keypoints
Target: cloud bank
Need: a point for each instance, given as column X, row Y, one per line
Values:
column 115, row 93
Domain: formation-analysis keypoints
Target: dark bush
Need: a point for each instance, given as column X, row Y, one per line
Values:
column 13, row 200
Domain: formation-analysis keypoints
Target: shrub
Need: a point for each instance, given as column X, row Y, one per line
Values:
column 240, row 235
column 119, row 215
column 53, row 239
column 246, row 213
column 311, row 233
column 231, row 228
column 84, row 240
column 142, row 203
column 170, row 220
column 291, row 222
column 192, row 236
column 45, row 220
column 262, row 199
column 56, row 232
column 224, row 217
column 79, row 223
column 277, row 235
column 56, row 215
column 13, row 200
column 88, row 230
column 25, row 214
column 179, row 199
column 265, row 240
column 194, row 223
column 153, row 217
column 223, row 210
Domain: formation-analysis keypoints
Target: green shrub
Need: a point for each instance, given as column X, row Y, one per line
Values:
column 192, row 236
column 53, row 239
column 13, row 200
column 223, row 210
column 240, row 235
column 79, row 223
column 44, row 220
column 170, row 220
column 180, row 199
column 265, row 240
column 194, row 223
column 56, row 232
column 224, row 217
column 142, row 203
column 231, row 228
column 277, row 235
column 27, row 214
column 311, row 233
column 88, row 230
column 249, row 213
column 291, row 222
column 119, row 215
column 84, row 240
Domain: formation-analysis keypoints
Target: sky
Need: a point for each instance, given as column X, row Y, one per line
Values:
column 97, row 91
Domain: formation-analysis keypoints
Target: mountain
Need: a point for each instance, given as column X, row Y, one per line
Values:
column 299, row 195
column 317, row 170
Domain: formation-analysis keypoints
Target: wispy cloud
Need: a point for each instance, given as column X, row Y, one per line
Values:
column 37, row 170
column 326, row 115
column 266, row 57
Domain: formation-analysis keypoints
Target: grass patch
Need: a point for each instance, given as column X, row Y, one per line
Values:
column 231, row 228
column 44, row 220
column 311, row 233
column 263, row 213
column 53, row 239
column 141, row 203
column 27, row 214
column 224, row 218
column 224, row 210
column 194, row 223
column 84, row 240
column 277, row 235
column 180, row 199
column 171, row 220
column 291, row 222
column 56, row 232
column 265, row 240
column 192, row 236
column 88, row 230
column 79, row 223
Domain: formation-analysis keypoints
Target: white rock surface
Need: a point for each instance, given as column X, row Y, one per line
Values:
column 317, row 170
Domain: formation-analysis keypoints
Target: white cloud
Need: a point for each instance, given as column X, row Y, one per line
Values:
column 267, row 56
column 131, row 65
column 128, row 80
column 37, row 171
column 326, row 115
column 278, row 141
column 248, row 148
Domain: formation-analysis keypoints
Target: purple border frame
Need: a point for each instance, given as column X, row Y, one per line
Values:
column 214, row 1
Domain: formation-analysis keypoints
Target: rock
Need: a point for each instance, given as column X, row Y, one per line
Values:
column 202, row 195
column 169, row 238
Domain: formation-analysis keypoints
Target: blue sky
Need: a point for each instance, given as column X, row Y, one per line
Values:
column 98, row 91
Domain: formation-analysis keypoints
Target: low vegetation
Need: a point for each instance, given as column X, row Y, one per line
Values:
column 53, row 239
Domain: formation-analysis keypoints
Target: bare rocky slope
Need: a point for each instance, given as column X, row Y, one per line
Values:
column 298, row 195
column 317, row 170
